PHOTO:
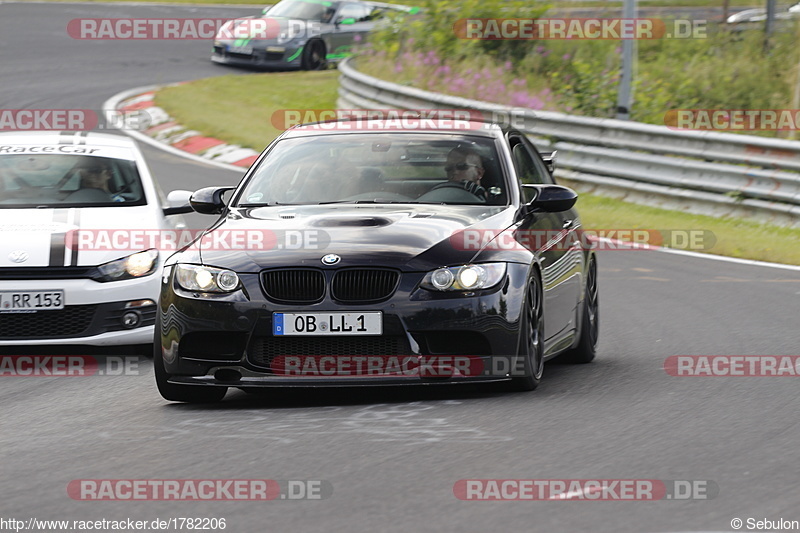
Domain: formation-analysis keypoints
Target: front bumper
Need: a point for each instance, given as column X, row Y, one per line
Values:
column 290, row 58
column 94, row 313
column 227, row 340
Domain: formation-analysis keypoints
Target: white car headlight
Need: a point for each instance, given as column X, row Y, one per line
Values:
column 464, row 277
column 206, row 279
column 133, row 266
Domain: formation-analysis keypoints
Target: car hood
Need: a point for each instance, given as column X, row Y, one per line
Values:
column 412, row 238
column 47, row 237
column 266, row 28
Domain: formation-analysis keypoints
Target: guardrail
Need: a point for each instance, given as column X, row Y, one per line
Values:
column 719, row 174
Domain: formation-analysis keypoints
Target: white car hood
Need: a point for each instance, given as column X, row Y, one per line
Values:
column 47, row 237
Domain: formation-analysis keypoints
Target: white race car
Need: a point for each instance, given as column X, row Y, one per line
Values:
column 756, row 18
column 70, row 273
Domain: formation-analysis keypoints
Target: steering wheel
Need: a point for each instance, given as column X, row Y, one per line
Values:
column 466, row 185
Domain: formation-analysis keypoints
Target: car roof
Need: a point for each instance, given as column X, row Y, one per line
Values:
column 66, row 137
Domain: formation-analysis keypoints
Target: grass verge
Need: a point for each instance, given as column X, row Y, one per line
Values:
column 239, row 109
column 245, row 110
column 731, row 237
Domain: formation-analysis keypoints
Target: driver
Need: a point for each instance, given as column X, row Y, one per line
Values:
column 464, row 169
column 97, row 175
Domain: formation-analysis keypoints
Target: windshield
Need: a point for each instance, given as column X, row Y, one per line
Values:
column 378, row 168
column 60, row 180
column 303, row 10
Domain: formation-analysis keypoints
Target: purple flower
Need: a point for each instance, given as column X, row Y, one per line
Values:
column 398, row 68
column 357, row 37
column 508, row 66
column 535, row 103
column 566, row 57
column 519, row 98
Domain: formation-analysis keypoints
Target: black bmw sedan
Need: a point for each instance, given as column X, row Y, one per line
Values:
column 371, row 252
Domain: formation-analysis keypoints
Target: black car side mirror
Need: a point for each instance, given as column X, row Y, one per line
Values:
column 550, row 198
column 209, row 201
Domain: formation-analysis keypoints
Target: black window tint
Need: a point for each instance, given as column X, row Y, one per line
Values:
column 529, row 167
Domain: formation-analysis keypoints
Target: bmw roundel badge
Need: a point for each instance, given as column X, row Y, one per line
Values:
column 330, row 259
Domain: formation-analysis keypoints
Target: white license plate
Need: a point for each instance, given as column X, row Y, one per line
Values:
column 369, row 323
column 246, row 50
column 28, row 301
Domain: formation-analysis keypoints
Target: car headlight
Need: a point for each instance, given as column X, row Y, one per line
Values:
column 206, row 279
column 464, row 277
column 133, row 266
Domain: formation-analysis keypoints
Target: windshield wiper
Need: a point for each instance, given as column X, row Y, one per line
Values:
column 262, row 205
column 376, row 201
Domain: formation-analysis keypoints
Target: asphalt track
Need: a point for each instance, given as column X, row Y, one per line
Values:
column 392, row 457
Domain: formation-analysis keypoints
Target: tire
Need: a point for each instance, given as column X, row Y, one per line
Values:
column 314, row 56
column 181, row 393
column 531, row 343
column 586, row 348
